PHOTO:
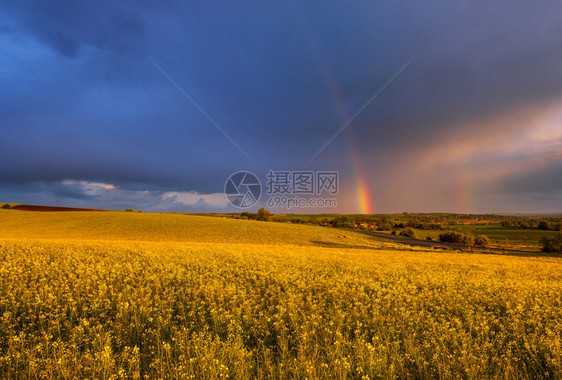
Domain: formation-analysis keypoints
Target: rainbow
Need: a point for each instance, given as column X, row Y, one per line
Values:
column 364, row 199
column 363, row 192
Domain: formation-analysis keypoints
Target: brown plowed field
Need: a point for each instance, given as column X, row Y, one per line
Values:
column 50, row 208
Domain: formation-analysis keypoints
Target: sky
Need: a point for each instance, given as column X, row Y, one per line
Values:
column 418, row 106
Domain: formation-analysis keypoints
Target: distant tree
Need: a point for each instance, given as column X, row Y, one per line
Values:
column 408, row 232
column 6, row 206
column 129, row 210
column 412, row 223
column 384, row 226
column 552, row 245
column 457, row 238
column 507, row 223
column 247, row 215
column 324, row 221
column 468, row 240
column 523, row 223
column 482, row 241
column 139, row 211
column 263, row 214
column 277, row 218
column 342, row 222
column 543, row 225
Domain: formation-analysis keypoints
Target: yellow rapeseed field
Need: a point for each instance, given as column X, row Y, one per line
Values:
column 127, row 295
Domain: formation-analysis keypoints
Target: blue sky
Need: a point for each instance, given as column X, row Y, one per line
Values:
column 472, row 124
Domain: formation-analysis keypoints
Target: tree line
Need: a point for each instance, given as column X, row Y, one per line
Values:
column 552, row 224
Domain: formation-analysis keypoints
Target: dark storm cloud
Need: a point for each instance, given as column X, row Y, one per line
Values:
column 474, row 59
column 81, row 101
column 68, row 26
